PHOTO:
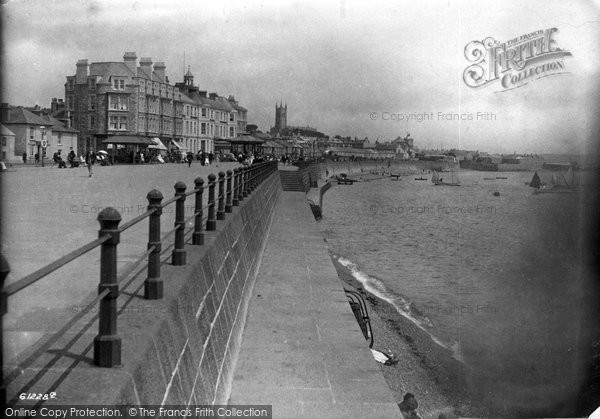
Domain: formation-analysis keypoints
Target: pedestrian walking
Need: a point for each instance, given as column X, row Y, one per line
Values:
column 190, row 157
column 90, row 159
column 24, row 157
column 71, row 157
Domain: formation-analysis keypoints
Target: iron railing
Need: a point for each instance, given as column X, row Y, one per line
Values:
column 233, row 187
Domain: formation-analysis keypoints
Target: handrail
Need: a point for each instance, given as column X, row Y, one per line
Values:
column 136, row 220
column 233, row 187
column 51, row 267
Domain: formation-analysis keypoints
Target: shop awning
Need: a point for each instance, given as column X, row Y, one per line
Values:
column 157, row 144
column 127, row 139
column 245, row 139
column 178, row 145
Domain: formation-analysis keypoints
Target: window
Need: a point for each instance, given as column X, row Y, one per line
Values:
column 92, row 84
column 118, row 84
column 203, row 128
column 59, row 139
column 70, row 83
column 31, row 132
column 232, row 117
column 118, row 123
column 231, row 132
column 117, row 102
column 4, row 141
column 92, row 103
column 204, row 112
column 92, row 122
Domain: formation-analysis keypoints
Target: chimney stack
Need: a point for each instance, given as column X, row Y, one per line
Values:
column 159, row 70
column 82, row 71
column 4, row 112
column 130, row 59
column 146, row 66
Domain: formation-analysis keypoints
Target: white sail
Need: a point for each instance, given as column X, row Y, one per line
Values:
column 570, row 177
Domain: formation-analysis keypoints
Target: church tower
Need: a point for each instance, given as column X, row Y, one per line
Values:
column 280, row 117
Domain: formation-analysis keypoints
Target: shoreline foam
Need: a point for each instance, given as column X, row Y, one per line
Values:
column 424, row 368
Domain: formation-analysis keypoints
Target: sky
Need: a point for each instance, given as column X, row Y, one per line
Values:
column 357, row 68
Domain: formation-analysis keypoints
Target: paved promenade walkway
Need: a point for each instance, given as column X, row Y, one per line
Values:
column 302, row 349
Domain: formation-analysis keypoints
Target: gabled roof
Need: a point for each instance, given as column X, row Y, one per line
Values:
column 6, row 131
column 222, row 104
column 57, row 126
column 21, row 115
column 186, row 99
column 107, row 69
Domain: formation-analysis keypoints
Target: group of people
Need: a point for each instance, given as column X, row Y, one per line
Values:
column 71, row 158
column 286, row 159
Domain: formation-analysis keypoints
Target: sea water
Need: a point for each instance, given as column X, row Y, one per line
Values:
column 488, row 270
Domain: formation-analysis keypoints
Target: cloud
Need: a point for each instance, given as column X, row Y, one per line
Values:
column 332, row 62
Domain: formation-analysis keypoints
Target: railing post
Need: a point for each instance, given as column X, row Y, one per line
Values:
column 251, row 177
column 178, row 257
column 211, row 223
column 221, row 197
column 236, row 187
column 107, row 344
column 198, row 236
column 4, row 270
column 246, row 181
column 228, row 201
column 241, row 184
column 153, row 286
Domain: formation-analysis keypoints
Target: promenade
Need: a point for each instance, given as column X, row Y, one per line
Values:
column 302, row 349
column 48, row 212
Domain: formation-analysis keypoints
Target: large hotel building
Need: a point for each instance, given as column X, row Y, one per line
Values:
column 131, row 103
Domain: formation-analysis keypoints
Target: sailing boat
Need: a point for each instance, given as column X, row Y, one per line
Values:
column 556, row 186
column 436, row 180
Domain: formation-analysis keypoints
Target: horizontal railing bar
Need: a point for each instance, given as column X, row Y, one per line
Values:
column 167, row 248
column 135, row 264
column 54, row 338
column 169, row 201
column 40, row 273
column 193, row 191
column 191, row 217
column 136, row 220
column 169, row 234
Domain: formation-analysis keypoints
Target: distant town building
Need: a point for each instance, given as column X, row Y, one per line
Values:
column 30, row 130
column 126, row 104
column 8, row 145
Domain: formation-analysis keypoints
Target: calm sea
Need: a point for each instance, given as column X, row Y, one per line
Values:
column 498, row 280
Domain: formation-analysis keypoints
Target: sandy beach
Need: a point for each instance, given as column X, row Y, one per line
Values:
column 424, row 368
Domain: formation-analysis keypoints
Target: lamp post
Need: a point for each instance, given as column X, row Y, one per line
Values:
column 43, row 144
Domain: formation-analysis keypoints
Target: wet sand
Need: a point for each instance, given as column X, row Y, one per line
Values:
column 424, row 368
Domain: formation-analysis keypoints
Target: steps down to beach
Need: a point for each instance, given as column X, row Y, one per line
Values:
column 291, row 181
